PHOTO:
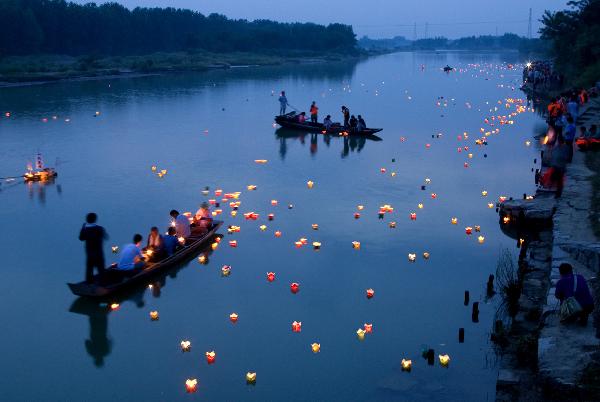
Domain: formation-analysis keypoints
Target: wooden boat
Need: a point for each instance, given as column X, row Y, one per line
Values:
column 101, row 289
column 45, row 174
column 290, row 121
column 585, row 144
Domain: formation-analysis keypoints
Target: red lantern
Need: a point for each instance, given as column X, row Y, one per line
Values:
column 383, row 170
column 356, row 215
column 233, row 317
column 370, row 293
column 413, row 216
column 294, row 287
column 427, row 146
column 368, row 328
column 218, row 192
column 468, row 230
column 270, row 276
column 433, row 196
column 271, row 217
column 191, row 385
column 233, row 243
column 210, row 357
column 212, row 202
column 296, row 326
column 277, row 233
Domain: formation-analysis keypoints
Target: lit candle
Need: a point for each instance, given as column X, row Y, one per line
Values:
column 310, row 184
column 154, row 315
column 270, row 276
column 316, row 347
column 360, row 333
column 406, row 364
column 356, row 245
column 191, row 385
column 444, row 360
column 251, row 377
column 186, row 346
column 370, row 293
column 210, row 357
column 233, row 317
column 294, row 287
column 296, row 326
column 368, row 328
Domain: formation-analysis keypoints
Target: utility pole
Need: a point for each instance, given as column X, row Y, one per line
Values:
column 415, row 32
column 529, row 26
column 426, row 29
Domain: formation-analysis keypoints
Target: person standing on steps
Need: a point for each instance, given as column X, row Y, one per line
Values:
column 93, row 235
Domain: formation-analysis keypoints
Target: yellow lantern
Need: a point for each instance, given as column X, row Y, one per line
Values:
column 481, row 239
column 214, row 245
column 316, row 245
column 310, row 184
column 316, row 347
column 412, row 257
column 251, row 377
column 115, row 249
column 426, row 255
column 360, row 207
column 154, row 315
column 186, row 346
column 154, row 168
column 484, row 193
column 263, row 227
column 251, row 187
column 191, row 384
column 454, row 221
column 356, row 245
column 444, row 360
column 490, row 205
column 360, row 333
column 406, row 364
column 233, row 213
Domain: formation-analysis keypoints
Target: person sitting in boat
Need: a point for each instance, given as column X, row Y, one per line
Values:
column 346, row 113
column 353, row 122
column 131, row 260
column 302, row 117
column 203, row 218
column 155, row 245
column 327, row 122
column 181, row 223
column 361, row 125
column 170, row 242
column 283, row 102
column 314, row 113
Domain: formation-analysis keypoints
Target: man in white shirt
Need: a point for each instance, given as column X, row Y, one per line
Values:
column 182, row 224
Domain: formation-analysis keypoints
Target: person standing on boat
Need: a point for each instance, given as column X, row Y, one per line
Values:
column 283, row 103
column 181, row 223
column 346, row 113
column 93, row 235
column 314, row 113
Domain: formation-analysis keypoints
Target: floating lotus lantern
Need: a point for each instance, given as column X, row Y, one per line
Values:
column 277, row 233
column 310, row 184
column 356, row 245
column 360, row 207
column 444, row 360
column 186, row 346
column 114, row 306
column 433, row 196
column 226, row 270
column 154, row 168
column 490, row 205
column 506, row 219
column 454, row 221
column 315, row 226
column 412, row 257
column 233, row 229
column 191, row 385
column 470, row 156
column 484, row 193
column 251, row 377
column 427, row 146
column 360, row 333
column 466, row 164
column 294, row 287
column 263, row 227
column 315, row 347
column 413, row 216
column 383, row 170
column 233, row 243
column 392, row 225
column 233, row 213
column 260, row 161
column 298, row 244
column 270, row 276
column 274, row 203
column 406, row 364
column 251, row 187
column 233, row 317
column 210, row 357
column 426, row 255
column 290, row 206
column 368, row 328
column 420, row 206
column 468, row 230
column 296, row 326
column 316, row 245
column 477, row 228
column 212, row 202
column 502, row 198
column 271, row 217
column 218, row 192
column 370, row 293
column 481, row 239
column 356, row 215
column 427, row 180
column 115, row 249
column 154, row 315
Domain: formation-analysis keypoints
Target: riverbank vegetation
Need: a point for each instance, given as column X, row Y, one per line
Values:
column 52, row 39
column 573, row 37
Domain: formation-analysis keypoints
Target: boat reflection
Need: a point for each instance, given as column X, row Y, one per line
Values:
column 99, row 344
column 350, row 143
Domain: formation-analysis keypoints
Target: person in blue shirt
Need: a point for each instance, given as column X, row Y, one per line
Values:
column 566, row 287
column 283, row 103
column 131, row 260
column 170, row 242
column 569, row 134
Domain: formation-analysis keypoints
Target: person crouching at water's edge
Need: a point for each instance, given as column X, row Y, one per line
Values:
column 93, row 235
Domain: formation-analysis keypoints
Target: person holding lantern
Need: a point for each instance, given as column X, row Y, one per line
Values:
column 155, row 245
column 203, row 218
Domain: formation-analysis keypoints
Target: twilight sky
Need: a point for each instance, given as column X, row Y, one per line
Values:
column 381, row 18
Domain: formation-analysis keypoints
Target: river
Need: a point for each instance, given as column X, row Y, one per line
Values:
column 207, row 129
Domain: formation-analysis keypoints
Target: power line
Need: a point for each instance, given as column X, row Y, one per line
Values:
column 445, row 23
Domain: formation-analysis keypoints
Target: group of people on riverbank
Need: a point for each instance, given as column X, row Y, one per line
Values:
column 133, row 256
column 352, row 122
column 541, row 74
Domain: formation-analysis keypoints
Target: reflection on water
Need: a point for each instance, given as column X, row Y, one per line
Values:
column 348, row 143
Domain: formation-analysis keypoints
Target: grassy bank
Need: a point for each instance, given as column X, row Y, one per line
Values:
column 43, row 68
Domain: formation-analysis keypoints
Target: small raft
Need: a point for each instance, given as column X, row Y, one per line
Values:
column 100, row 288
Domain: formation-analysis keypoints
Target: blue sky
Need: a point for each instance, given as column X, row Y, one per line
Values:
column 381, row 18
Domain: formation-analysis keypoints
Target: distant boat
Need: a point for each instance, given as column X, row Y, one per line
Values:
column 290, row 121
column 447, row 69
column 40, row 173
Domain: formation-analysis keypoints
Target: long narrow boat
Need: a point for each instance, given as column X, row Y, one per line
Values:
column 289, row 121
column 99, row 289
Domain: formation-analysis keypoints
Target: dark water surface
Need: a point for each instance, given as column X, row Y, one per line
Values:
column 58, row 349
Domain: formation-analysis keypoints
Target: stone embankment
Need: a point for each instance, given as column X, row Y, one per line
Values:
column 544, row 359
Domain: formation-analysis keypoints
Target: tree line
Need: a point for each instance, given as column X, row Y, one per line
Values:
column 574, row 35
column 61, row 27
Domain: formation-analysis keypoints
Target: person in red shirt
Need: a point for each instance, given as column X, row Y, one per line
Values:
column 314, row 112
